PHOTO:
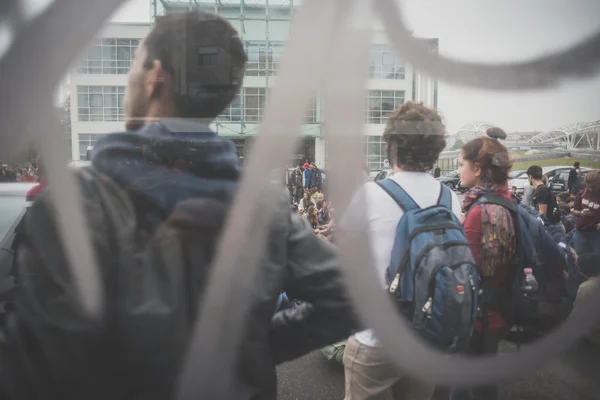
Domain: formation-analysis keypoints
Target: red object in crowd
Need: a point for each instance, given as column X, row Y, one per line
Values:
column 587, row 200
column 36, row 190
column 27, row 177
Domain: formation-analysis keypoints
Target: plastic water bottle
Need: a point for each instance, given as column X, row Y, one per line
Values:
column 530, row 285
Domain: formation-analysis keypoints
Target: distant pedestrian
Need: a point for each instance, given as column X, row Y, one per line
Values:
column 542, row 199
column 307, row 173
column 574, row 173
column 437, row 172
column 297, row 183
column 316, row 178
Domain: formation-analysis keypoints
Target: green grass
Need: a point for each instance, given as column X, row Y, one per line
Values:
column 522, row 165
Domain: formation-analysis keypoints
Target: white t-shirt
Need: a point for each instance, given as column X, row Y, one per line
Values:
column 383, row 216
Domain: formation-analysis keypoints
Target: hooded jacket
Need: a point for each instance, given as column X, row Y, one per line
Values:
column 166, row 188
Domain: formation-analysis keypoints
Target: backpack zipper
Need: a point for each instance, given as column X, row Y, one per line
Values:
column 427, row 307
column 415, row 233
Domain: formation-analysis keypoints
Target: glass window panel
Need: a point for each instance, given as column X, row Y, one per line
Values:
column 95, row 53
column 124, row 53
column 383, row 63
column 96, row 100
column 388, row 59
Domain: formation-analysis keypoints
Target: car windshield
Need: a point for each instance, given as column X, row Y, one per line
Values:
column 11, row 207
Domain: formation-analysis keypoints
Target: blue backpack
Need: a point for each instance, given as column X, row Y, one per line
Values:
column 432, row 272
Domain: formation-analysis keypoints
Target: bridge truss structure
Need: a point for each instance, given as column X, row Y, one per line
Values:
column 473, row 130
column 577, row 135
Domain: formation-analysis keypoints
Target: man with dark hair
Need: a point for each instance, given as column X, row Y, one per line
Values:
column 543, row 199
column 156, row 199
column 574, row 173
column 296, row 181
column 316, row 178
column 414, row 136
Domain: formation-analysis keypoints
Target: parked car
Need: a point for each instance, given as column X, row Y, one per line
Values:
column 13, row 206
column 452, row 180
column 521, row 181
column 559, row 182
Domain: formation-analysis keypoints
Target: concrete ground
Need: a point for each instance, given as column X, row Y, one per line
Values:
column 575, row 375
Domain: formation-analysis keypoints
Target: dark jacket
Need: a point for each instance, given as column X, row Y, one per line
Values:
column 315, row 179
column 296, row 180
column 132, row 194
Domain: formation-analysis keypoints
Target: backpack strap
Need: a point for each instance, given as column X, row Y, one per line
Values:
column 445, row 198
column 399, row 195
column 498, row 200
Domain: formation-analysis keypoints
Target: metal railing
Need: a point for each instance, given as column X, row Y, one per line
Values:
column 60, row 33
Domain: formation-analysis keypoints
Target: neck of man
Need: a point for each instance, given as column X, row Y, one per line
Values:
column 535, row 183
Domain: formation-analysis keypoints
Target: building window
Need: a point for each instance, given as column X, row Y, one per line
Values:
column 100, row 103
column 233, row 112
column 311, row 116
column 110, row 56
column 86, row 140
column 276, row 51
column 381, row 103
column 263, row 57
column 248, row 106
column 384, row 64
column 254, row 103
column 375, row 152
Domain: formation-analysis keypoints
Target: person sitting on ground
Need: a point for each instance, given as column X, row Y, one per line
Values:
column 515, row 195
column 568, row 218
column 312, row 215
column 306, row 202
column 589, row 267
column 570, row 201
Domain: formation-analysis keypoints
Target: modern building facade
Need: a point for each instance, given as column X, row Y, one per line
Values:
column 263, row 26
column 97, row 85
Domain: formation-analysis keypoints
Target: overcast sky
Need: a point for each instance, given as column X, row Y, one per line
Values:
column 492, row 31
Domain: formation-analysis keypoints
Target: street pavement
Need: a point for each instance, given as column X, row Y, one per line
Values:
column 575, row 375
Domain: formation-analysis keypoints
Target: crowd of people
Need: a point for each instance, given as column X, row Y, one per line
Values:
column 305, row 186
column 574, row 213
column 23, row 173
column 157, row 197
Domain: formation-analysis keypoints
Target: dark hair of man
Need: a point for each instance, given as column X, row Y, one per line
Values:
column 576, row 164
column 536, row 172
column 414, row 135
column 205, row 57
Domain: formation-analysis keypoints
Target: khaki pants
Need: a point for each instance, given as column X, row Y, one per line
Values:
column 370, row 377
